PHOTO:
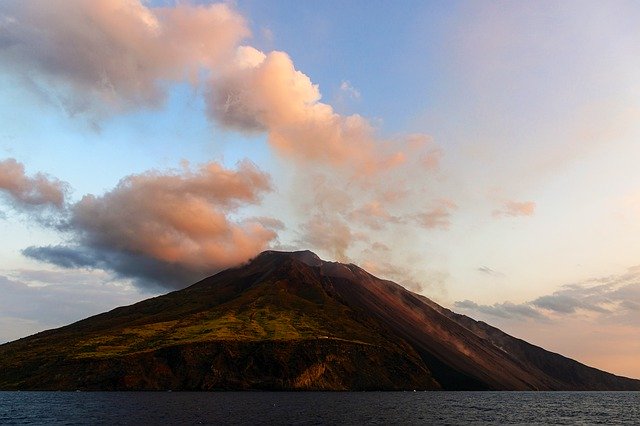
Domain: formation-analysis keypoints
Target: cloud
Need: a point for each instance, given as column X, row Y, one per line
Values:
column 33, row 301
column 167, row 228
column 489, row 271
column 564, row 302
column 378, row 246
column 265, row 92
column 63, row 256
column 348, row 90
column 113, row 53
column 415, row 279
column 502, row 310
column 374, row 215
column 99, row 57
column 331, row 234
column 28, row 193
column 616, row 298
column 423, row 146
column 515, row 209
column 437, row 217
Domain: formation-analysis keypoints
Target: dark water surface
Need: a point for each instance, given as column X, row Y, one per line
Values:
column 69, row 408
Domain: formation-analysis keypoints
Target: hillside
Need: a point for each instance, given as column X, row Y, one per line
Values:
column 289, row 321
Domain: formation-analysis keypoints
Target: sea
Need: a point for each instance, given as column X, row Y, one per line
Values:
column 319, row 408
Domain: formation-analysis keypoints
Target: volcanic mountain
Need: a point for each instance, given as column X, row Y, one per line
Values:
column 288, row 321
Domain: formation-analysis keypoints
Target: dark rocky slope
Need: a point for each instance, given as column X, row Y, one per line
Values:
column 289, row 321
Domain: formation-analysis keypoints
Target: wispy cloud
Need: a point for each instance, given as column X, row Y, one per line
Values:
column 438, row 217
column 609, row 297
column 33, row 301
column 488, row 271
column 502, row 310
column 348, row 90
column 515, row 209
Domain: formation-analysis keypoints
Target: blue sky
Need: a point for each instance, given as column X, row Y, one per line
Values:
column 481, row 153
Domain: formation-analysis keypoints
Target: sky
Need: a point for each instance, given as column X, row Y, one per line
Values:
column 483, row 154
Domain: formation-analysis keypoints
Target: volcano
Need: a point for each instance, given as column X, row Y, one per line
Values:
column 289, row 321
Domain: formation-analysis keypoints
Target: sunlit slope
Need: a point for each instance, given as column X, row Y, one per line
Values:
column 288, row 321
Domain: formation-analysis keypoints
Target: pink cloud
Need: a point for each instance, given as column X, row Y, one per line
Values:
column 516, row 209
column 167, row 228
column 178, row 217
column 114, row 54
column 29, row 192
column 265, row 92
column 438, row 216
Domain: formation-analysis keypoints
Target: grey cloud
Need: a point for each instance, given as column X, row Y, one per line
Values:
column 557, row 303
column 63, row 256
column 144, row 271
column 627, row 292
column 502, row 310
column 631, row 305
column 54, row 302
column 567, row 304
column 66, row 276
column 616, row 296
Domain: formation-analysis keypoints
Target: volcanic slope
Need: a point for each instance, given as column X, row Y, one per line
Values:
column 288, row 321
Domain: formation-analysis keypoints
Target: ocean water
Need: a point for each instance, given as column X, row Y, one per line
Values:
column 455, row 408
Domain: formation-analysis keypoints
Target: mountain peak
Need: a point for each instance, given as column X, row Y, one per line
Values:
column 309, row 258
column 284, row 321
column 305, row 256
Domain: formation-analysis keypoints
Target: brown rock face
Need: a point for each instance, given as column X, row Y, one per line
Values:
column 289, row 321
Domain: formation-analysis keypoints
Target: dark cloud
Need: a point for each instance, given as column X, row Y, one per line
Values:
column 146, row 272
column 63, row 256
